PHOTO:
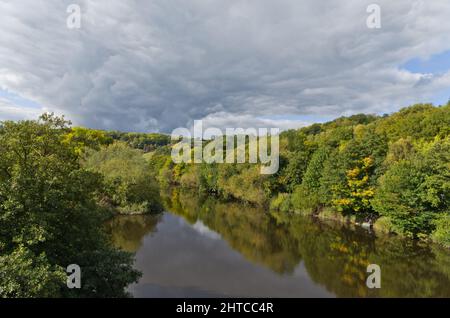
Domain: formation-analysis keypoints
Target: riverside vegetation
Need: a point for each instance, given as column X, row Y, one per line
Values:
column 392, row 171
column 301, row 256
column 58, row 185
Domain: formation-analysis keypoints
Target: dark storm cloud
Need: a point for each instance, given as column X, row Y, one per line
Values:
column 156, row 65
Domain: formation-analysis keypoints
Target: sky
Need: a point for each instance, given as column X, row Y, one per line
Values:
column 156, row 65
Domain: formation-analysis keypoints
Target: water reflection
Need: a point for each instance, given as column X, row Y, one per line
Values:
column 204, row 247
column 127, row 232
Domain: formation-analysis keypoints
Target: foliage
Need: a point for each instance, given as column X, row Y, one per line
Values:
column 131, row 186
column 364, row 166
column 143, row 141
column 24, row 274
column 356, row 195
column 414, row 191
column 442, row 233
column 85, row 138
column 383, row 225
column 49, row 217
column 281, row 203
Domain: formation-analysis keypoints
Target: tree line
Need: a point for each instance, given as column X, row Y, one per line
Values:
column 392, row 171
column 58, row 186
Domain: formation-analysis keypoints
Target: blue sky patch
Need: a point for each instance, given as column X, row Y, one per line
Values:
column 18, row 100
column 436, row 64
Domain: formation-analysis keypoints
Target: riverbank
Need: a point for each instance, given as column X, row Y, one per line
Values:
column 388, row 172
column 241, row 250
column 379, row 226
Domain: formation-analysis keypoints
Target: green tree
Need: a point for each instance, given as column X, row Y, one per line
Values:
column 131, row 186
column 415, row 192
column 356, row 195
column 49, row 217
column 84, row 138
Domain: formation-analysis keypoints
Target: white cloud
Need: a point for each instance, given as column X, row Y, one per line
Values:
column 202, row 229
column 9, row 111
column 228, row 120
column 156, row 65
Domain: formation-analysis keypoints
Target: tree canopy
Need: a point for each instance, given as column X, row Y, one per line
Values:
column 50, row 217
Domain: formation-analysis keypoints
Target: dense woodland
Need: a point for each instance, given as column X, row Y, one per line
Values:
column 58, row 186
column 50, row 216
column 392, row 171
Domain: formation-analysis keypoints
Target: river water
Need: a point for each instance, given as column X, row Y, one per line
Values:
column 205, row 248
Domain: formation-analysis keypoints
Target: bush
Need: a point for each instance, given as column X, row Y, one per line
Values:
column 190, row 178
column 246, row 185
column 383, row 225
column 282, row 203
column 305, row 201
column 131, row 187
column 442, row 233
column 329, row 213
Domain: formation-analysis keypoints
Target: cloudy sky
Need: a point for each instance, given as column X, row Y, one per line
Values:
column 159, row 64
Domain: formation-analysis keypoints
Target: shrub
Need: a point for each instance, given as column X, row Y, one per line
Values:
column 246, row 185
column 304, row 200
column 131, row 186
column 383, row 225
column 442, row 233
column 282, row 203
column 190, row 178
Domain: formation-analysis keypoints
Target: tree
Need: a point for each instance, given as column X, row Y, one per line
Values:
column 415, row 192
column 311, row 178
column 306, row 196
column 399, row 198
column 49, row 217
column 131, row 186
column 356, row 195
column 85, row 138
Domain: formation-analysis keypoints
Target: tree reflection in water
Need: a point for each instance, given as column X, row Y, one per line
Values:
column 334, row 255
column 127, row 232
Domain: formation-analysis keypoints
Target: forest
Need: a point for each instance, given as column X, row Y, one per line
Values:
column 59, row 184
column 390, row 171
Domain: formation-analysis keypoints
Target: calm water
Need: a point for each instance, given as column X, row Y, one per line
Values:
column 203, row 248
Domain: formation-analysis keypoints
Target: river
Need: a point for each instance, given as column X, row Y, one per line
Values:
column 206, row 248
